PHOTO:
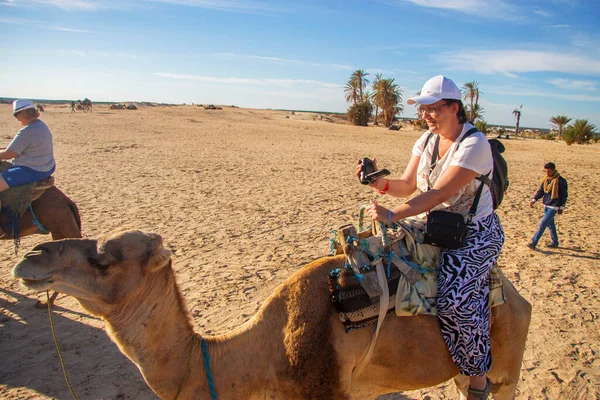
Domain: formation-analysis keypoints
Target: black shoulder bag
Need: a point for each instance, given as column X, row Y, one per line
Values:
column 447, row 229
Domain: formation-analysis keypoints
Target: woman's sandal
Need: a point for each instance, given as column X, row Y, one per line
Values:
column 482, row 394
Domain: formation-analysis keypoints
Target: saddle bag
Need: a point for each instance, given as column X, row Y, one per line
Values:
column 445, row 229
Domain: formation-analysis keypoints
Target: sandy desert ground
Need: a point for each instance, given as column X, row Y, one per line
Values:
column 244, row 198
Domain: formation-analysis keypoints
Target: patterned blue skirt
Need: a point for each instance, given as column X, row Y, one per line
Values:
column 463, row 291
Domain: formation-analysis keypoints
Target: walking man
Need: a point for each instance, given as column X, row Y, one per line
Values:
column 554, row 191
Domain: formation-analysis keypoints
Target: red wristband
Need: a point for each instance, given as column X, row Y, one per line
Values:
column 386, row 188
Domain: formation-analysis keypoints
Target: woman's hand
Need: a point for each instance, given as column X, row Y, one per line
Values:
column 379, row 184
column 379, row 213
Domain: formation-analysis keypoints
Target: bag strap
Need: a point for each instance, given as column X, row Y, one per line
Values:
column 434, row 158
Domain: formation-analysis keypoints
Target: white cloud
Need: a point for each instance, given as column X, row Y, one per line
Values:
column 103, row 54
column 532, row 93
column 61, row 28
column 41, row 24
column 286, row 83
column 244, row 6
column 574, row 84
column 496, row 9
column 285, row 60
column 586, row 42
column 542, row 13
column 511, row 62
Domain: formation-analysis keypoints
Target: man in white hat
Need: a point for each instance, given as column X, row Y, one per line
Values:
column 445, row 164
column 31, row 149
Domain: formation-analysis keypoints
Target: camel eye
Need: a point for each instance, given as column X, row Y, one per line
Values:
column 94, row 263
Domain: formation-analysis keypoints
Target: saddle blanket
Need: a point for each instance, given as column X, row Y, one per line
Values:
column 411, row 271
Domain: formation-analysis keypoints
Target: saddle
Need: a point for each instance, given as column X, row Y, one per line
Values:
column 18, row 199
column 410, row 274
column 14, row 202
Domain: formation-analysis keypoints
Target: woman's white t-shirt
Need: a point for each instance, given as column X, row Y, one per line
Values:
column 474, row 153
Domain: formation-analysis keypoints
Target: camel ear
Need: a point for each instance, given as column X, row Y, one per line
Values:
column 159, row 259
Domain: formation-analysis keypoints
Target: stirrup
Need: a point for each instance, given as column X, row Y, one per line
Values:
column 482, row 394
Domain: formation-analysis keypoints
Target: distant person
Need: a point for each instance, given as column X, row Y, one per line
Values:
column 72, row 106
column 31, row 149
column 554, row 190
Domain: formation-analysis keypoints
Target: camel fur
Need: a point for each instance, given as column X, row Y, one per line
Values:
column 293, row 348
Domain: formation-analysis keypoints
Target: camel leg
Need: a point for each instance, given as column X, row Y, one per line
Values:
column 505, row 392
column 462, row 384
column 41, row 304
column 502, row 391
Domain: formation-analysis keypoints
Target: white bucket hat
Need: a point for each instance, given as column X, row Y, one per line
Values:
column 437, row 88
column 22, row 104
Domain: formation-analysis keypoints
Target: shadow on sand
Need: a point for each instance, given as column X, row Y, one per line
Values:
column 561, row 251
column 95, row 366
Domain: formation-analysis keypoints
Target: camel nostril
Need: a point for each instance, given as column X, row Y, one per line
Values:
column 33, row 253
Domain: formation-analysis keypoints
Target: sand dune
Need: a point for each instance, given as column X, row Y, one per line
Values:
column 244, row 198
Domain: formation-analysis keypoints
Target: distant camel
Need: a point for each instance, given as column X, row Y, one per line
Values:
column 295, row 347
column 55, row 212
column 86, row 104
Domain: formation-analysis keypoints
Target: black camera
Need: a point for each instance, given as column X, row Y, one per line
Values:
column 368, row 173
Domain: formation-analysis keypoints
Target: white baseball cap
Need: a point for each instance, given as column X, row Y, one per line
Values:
column 437, row 88
column 21, row 104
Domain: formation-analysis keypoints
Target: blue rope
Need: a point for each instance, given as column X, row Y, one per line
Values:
column 206, row 357
column 38, row 223
column 419, row 268
column 332, row 249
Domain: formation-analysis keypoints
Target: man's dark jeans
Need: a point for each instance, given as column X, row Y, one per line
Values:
column 547, row 222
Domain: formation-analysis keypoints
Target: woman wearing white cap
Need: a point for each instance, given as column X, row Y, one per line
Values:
column 448, row 182
column 31, row 149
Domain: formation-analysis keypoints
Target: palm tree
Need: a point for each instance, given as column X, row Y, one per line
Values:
column 517, row 113
column 560, row 121
column 355, row 86
column 471, row 94
column 378, row 78
column 351, row 91
column 387, row 95
column 360, row 77
column 482, row 126
column 581, row 132
column 476, row 112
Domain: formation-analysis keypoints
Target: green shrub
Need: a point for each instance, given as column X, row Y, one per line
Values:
column 482, row 126
column 547, row 136
column 581, row 132
column 359, row 113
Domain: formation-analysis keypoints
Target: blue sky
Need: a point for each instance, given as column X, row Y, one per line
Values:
column 543, row 55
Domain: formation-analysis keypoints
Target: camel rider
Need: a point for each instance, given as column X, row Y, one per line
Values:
column 31, row 149
column 444, row 174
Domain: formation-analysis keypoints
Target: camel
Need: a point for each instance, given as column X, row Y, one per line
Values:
column 86, row 104
column 294, row 347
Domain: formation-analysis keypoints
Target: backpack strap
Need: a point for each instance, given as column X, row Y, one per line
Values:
column 484, row 179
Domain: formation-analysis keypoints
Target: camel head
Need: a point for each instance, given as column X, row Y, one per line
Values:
column 96, row 272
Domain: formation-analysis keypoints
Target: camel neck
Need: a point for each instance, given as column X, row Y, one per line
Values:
column 154, row 331
column 160, row 345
